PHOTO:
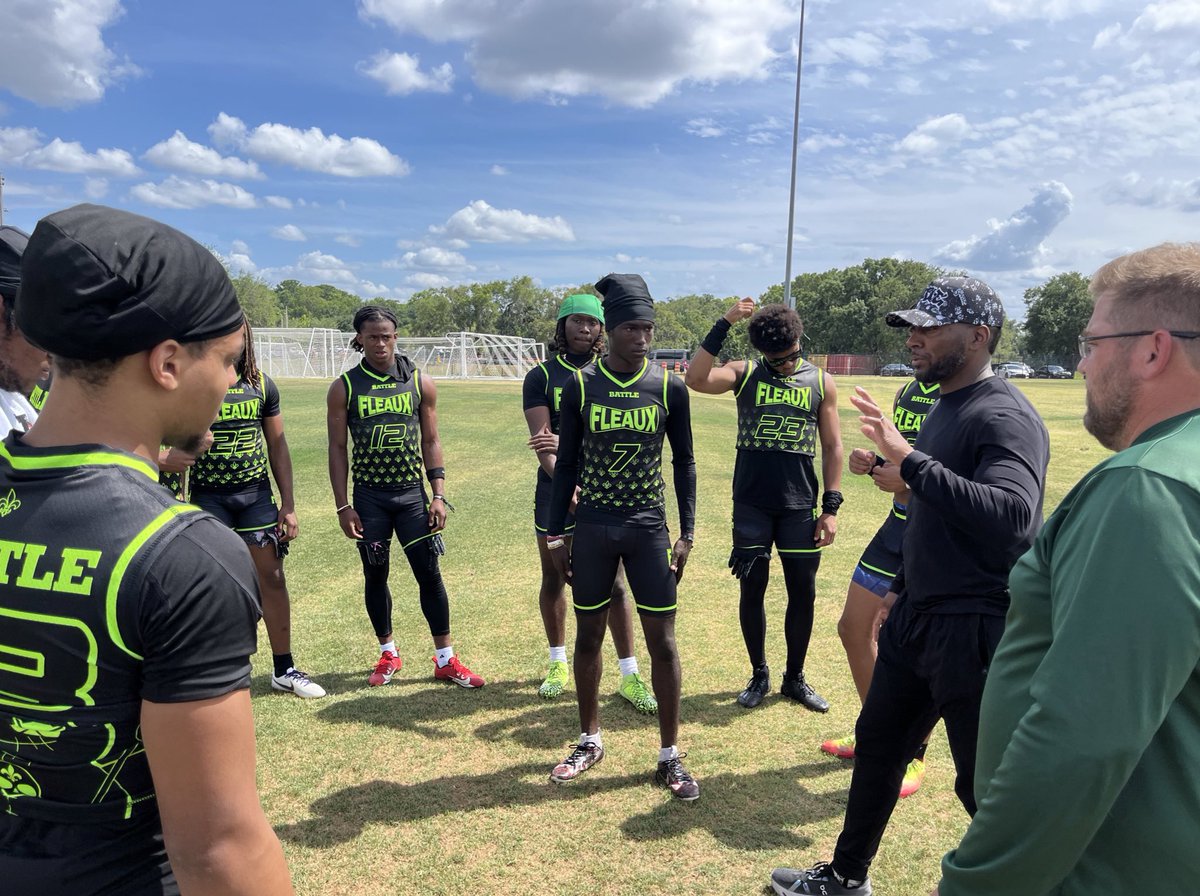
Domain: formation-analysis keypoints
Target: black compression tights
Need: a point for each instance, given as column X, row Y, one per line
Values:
column 434, row 602
column 800, row 576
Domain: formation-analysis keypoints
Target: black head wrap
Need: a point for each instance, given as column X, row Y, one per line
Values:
column 98, row 282
column 12, row 245
column 626, row 298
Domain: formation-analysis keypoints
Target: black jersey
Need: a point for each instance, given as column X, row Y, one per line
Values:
column 777, row 436
column 111, row 593
column 383, row 415
column 544, row 385
column 238, row 456
column 615, row 454
column 913, row 405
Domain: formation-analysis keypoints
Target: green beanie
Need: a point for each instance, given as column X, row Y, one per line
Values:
column 581, row 303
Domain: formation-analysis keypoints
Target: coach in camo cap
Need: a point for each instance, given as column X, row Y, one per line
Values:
column 953, row 300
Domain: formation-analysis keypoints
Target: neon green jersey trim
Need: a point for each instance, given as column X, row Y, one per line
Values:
column 81, row 459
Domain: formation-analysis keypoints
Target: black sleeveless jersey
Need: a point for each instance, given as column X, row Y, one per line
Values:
column 383, row 415
column 111, row 593
column 777, row 436
column 624, row 422
column 543, row 387
column 913, row 405
column 238, row 456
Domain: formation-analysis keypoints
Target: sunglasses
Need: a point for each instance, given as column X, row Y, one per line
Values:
column 785, row 360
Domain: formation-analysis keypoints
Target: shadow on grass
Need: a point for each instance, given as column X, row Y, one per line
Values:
column 754, row 812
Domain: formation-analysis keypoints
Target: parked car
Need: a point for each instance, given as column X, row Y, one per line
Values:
column 895, row 370
column 1053, row 372
column 1010, row 370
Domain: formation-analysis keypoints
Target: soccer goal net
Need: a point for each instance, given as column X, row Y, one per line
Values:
column 324, row 353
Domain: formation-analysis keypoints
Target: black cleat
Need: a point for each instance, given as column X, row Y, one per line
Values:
column 801, row 691
column 757, row 687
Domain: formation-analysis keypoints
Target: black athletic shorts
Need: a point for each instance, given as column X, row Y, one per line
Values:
column 384, row 511
column 882, row 556
column 541, row 510
column 246, row 512
column 646, row 553
column 791, row 531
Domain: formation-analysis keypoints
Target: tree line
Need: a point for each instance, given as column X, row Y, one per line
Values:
column 843, row 311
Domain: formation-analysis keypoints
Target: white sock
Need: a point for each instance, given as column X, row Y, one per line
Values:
column 558, row 654
column 586, row 738
column 666, row 753
column 628, row 665
column 390, row 645
column 443, row 655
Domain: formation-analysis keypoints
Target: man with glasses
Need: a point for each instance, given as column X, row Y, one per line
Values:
column 1092, row 706
column 977, row 475
column 785, row 405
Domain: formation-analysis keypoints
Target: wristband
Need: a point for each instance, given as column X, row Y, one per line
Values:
column 716, row 337
column 555, row 543
column 831, row 501
column 688, row 537
column 435, row 473
column 343, row 507
column 879, row 462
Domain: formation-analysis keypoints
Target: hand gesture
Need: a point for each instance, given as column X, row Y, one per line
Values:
column 741, row 310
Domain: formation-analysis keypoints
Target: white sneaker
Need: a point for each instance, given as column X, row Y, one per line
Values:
column 296, row 682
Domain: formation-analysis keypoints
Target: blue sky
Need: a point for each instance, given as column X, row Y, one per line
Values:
column 389, row 145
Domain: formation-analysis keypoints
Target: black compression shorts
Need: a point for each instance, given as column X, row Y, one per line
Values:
column 246, row 512
column 384, row 511
column 791, row 531
column 882, row 556
column 541, row 510
column 646, row 553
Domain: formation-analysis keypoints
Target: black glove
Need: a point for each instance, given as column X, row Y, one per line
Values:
column 742, row 560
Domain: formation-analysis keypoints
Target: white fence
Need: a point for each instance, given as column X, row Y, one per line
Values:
column 323, row 354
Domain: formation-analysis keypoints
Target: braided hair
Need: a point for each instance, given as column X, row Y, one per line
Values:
column 364, row 316
column 248, row 366
column 561, row 347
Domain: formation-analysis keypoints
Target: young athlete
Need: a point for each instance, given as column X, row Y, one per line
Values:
column 128, row 618
column 614, row 415
column 389, row 409
column 230, row 481
column 22, row 365
column 879, row 564
column 785, row 406
column 578, row 341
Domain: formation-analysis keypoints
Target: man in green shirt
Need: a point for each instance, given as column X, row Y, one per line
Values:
column 1089, row 734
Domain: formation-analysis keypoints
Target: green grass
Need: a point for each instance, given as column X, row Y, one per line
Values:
column 423, row 788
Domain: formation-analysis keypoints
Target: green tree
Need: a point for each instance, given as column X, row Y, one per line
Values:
column 258, row 300
column 1057, row 312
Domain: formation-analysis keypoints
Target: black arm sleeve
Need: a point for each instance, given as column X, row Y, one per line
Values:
column 566, row 467
column 1002, row 497
column 198, row 615
column 683, row 460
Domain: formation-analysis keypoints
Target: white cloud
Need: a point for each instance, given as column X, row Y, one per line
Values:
column 622, row 258
column 240, row 246
column 180, row 192
column 278, row 202
column 317, row 266
column 935, row 134
column 1017, row 242
column 479, row 222
column 95, row 187
column 309, row 150
column 499, row 170
column 289, row 232
column 52, row 52
column 348, row 239
column 181, row 154
column 636, row 53
column 240, row 263
column 432, row 257
column 426, row 281
column 401, row 74
column 16, row 142
column 704, row 127
column 72, row 158
column 1132, row 189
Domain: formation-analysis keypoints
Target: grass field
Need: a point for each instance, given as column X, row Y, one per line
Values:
column 422, row 788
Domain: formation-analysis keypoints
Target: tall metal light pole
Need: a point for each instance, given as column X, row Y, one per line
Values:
column 787, row 277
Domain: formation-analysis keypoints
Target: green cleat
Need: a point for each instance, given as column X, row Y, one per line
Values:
column 556, row 680
column 635, row 691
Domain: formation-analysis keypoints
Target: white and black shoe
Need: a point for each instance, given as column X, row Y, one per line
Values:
column 293, row 681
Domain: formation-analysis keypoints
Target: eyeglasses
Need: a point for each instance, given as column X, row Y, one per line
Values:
column 786, row 359
column 1085, row 342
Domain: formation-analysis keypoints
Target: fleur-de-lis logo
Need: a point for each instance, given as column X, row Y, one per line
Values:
column 9, row 503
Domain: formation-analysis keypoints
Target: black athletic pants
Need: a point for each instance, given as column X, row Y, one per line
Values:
column 930, row 666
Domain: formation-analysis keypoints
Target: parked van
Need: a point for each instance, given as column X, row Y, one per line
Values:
column 671, row 358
